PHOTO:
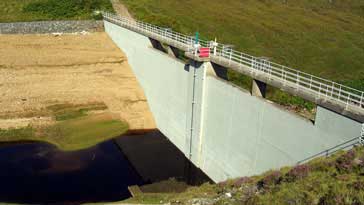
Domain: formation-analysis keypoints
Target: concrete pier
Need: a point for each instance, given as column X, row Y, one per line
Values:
column 259, row 88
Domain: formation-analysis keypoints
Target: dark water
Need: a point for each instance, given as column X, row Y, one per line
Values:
column 39, row 173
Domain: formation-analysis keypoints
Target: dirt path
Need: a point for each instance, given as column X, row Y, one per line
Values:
column 41, row 70
column 120, row 8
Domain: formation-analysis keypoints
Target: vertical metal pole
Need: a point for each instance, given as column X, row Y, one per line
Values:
column 340, row 93
column 270, row 69
column 320, row 90
column 197, row 35
column 252, row 63
column 231, row 53
column 193, row 108
column 361, row 139
column 347, row 101
column 241, row 59
column 283, row 77
column 215, row 47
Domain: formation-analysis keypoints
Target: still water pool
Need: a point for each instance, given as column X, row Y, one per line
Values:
column 39, row 173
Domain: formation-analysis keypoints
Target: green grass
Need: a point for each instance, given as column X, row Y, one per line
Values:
column 35, row 10
column 301, row 106
column 69, row 111
column 76, row 127
column 314, row 36
column 334, row 180
column 17, row 134
column 286, row 99
column 68, row 135
column 83, row 132
column 60, row 111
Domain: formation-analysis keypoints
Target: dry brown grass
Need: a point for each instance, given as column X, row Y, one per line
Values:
column 38, row 71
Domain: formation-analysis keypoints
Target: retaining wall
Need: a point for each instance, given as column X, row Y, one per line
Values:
column 42, row 27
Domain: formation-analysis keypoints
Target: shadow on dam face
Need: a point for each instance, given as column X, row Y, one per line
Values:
column 157, row 159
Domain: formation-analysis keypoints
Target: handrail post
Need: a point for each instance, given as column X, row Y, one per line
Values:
column 347, row 101
column 284, row 73
column 340, row 92
column 320, row 90
column 361, row 139
column 231, row 53
column 241, row 59
column 215, row 46
column 253, row 64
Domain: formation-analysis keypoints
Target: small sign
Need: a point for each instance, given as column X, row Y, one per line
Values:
column 204, row 52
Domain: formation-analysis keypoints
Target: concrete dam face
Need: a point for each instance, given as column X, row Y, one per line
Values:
column 222, row 129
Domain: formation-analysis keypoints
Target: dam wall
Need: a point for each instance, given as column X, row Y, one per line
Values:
column 222, row 129
column 253, row 135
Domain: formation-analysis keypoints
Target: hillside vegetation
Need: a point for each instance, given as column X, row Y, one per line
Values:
column 35, row 10
column 324, row 181
column 76, row 127
column 318, row 37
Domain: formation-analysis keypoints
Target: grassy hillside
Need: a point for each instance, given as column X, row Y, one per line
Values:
column 322, row 38
column 324, row 181
column 34, row 10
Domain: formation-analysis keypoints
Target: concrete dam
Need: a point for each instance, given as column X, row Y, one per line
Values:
column 224, row 130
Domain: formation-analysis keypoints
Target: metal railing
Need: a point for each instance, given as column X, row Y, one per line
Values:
column 326, row 153
column 320, row 87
